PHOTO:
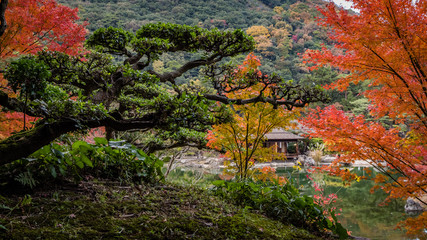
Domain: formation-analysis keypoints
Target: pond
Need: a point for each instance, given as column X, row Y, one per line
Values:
column 361, row 212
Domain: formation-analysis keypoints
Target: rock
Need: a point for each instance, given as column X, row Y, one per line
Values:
column 413, row 207
column 306, row 160
column 359, row 238
column 328, row 159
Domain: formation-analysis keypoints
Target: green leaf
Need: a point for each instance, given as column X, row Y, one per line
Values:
column 86, row 160
column 57, row 153
column 84, row 148
column 341, row 231
column 334, row 216
column 62, row 170
column 79, row 163
column 218, row 183
column 5, row 207
column 53, row 171
column 44, row 150
column 77, row 144
column 101, row 141
column 330, row 224
column 68, row 161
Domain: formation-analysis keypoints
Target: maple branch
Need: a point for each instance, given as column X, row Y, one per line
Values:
column 30, row 47
column 239, row 148
column 381, row 148
column 382, row 170
column 394, row 166
column 385, row 172
column 402, row 79
column 248, row 153
column 421, row 75
column 3, row 24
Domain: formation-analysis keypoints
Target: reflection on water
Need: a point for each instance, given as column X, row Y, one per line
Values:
column 361, row 213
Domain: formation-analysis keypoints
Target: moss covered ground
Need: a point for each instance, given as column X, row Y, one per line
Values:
column 108, row 210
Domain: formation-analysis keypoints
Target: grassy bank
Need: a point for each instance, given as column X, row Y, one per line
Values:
column 107, row 210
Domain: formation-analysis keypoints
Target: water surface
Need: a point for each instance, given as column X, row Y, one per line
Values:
column 362, row 213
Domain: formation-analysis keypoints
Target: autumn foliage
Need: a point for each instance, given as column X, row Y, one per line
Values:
column 32, row 26
column 386, row 45
column 243, row 138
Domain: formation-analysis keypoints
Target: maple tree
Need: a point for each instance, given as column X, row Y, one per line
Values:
column 34, row 25
column 242, row 138
column 385, row 44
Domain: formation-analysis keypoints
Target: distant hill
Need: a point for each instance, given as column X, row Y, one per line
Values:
column 132, row 13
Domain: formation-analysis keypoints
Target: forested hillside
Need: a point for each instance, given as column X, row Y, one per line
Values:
column 221, row 13
column 283, row 29
column 281, row 32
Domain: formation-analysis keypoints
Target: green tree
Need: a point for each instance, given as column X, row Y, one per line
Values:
column 91, row 91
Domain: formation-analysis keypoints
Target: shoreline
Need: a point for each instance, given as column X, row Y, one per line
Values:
column 217, row 163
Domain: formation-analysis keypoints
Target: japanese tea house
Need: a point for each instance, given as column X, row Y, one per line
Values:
column 285, row 142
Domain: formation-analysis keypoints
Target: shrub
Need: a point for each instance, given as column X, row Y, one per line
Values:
column 116, row 160
column 283, row 203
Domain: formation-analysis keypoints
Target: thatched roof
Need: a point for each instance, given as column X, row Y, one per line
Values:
column 280, row 134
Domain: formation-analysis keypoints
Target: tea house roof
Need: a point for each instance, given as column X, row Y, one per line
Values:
column 280, row 134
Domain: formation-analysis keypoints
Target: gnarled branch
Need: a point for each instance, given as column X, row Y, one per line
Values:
column 25, row 143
